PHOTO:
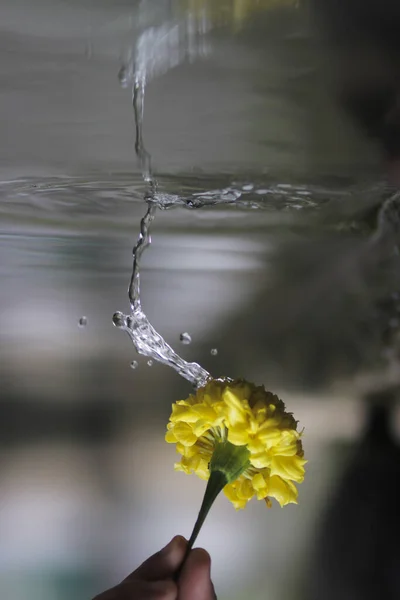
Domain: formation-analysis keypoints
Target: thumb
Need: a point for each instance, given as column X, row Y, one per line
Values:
column 195, row 580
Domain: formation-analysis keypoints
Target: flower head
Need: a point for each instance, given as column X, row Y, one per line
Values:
column 241, row 430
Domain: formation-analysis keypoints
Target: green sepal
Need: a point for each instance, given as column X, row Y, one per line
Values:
column 230, row 460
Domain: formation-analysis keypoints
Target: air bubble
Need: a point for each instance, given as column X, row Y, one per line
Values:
column 150, row 363
column 185, row 338
column 82, row 322
column 214, row 351
column 134, row 364
column 119, row 319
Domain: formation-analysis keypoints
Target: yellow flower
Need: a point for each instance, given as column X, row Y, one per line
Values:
column 243, row 431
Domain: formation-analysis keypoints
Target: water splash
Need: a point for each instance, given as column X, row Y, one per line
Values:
column 143, row 241
column 146, row 340
column 138, row 91
column 161, row 47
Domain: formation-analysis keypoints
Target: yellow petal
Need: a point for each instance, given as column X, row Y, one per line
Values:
column 288, row 467
column 255, row 446
column 199, row 466
column 284, row 449
column 182, row 467
column 170, row 437
column 244, row 489
column 269, row 431
column 284, row 492
column 187, row 451
column 260, row 411
column 182, row 413
column 184, row 434
column 235, row 409
column 200, row 427
column 204, row 412
column 261, row 460
column 231, row 493
column 260, row 486
column 238, row 435
column 258, row 482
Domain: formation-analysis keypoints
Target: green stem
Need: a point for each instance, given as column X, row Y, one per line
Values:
column 215, row 485
column 227, row 464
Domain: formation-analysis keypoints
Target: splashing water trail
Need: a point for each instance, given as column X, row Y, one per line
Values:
column 146, row 340
column 138, row 90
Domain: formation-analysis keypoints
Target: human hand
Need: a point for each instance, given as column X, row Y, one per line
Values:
column 153, row 580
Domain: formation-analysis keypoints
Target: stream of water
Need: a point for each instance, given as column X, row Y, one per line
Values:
column 146, row 340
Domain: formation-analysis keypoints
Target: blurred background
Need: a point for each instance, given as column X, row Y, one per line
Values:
column 273, row 129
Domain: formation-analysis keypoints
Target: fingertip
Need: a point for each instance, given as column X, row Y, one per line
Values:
column 172, row 555
column 181, row 539
column 195, row 580
column 174, row 551
column 178, row 542
column 163, row 563
column 199, row 558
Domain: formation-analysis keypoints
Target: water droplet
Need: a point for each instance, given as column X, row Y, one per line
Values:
column 134, row 364
column 214, row 351
column 119, row 319
column 82, row 322
column 123, row 76
column 150, row 363
column 185, row 338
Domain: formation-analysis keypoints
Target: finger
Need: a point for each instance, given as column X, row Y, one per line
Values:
column 163, row 564
column 141, row 590
column 195, row 580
